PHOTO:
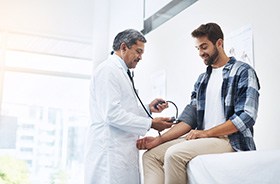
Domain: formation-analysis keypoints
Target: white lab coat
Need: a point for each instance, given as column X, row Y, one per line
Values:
column 116, row 123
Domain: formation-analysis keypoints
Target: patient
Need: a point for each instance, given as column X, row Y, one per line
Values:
column 219, row 118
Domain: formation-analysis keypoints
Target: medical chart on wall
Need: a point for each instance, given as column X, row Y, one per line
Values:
column 239, row 43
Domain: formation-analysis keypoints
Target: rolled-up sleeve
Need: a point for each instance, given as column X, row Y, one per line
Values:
column 246, row 101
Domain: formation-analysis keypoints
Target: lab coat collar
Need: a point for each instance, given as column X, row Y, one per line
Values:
column 120, row 62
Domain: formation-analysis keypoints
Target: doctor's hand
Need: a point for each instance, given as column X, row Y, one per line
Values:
column 158, row 105
column 161, row 123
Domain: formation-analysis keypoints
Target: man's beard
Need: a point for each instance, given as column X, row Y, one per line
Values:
column 212, row 59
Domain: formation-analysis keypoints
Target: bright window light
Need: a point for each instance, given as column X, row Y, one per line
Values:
column 44, row 116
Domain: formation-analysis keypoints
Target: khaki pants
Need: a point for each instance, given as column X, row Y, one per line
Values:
column 166, row 163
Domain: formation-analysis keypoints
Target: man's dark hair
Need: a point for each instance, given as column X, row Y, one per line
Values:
column 211, row 30
column 129, row 37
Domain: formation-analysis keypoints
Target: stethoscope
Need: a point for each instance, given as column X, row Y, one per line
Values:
column 173, row 119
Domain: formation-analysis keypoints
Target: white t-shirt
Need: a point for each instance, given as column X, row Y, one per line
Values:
column 214, row 111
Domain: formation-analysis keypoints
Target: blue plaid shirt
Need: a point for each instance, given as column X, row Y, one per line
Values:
column 240, row 98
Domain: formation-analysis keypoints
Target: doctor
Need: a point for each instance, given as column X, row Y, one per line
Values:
column 116, row 119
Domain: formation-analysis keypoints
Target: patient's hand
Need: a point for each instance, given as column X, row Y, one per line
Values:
column 148, row 143
column 196, row 134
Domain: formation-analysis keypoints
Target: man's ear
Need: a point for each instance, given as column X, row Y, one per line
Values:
column 123, row 47
column 220, row 42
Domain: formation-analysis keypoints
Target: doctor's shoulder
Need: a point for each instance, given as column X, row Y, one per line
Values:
column 105, row 71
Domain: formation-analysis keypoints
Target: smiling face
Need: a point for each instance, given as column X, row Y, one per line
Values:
column 207, row 50
column 132, row 55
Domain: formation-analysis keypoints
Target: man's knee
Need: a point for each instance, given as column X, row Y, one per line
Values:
column 150, row 155
column 146, row 155
column 175, row 154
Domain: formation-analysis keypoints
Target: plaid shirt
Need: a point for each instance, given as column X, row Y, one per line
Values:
column 240, row 98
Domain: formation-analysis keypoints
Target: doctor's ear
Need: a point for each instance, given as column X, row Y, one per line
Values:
column 123, row 47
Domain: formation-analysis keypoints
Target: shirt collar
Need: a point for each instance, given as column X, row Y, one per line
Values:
column 230, row 63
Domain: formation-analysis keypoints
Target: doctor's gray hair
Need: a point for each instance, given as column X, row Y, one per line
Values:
column 129, row 37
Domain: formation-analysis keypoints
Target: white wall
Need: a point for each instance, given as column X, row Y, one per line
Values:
column 70, row 19
column 171, row 48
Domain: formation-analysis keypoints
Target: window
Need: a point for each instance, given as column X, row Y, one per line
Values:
column 47, row 96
